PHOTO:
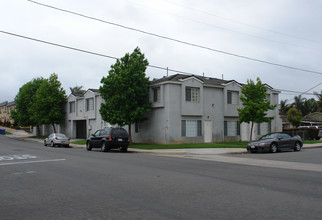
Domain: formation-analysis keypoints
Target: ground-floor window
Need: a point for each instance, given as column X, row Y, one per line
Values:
column 191, row 128
column 231, row 128
column 264, row 128
column 137, row 127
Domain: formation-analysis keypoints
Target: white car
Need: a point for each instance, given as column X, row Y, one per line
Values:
column 57, row 139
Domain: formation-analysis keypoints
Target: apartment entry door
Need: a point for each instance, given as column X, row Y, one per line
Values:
column 208, row 131
column 81, row 129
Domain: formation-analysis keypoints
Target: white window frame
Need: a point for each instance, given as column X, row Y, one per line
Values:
column 72, row 107
column 193, row 95
column 191, row 128
column 89, row 104
column 232, row 97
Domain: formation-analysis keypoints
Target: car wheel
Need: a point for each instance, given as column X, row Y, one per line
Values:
column 297, row 146
column 123, row 149
column 52, row 144
column 45, row 144
column 273, row 148
column 88, row 146
column 104, row 148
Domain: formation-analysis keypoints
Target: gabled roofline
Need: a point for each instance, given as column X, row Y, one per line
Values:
column 232, row 81
column 191, row 77
column 95, row 91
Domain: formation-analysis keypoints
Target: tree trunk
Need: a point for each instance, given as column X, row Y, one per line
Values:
column 251, row 131
column 54, row 128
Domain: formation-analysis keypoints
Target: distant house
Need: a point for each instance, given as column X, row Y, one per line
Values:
column 313, row 119
column 196, row 109
column 5, row 111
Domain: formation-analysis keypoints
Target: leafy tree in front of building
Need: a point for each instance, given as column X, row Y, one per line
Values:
column 255, row 104
column 48, row 103
column 22, row 115
column 40, row 101
column 126, row 91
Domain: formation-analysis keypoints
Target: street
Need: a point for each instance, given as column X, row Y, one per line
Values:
column 40, row 182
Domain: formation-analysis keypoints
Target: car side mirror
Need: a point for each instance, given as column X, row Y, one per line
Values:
column 93, row 135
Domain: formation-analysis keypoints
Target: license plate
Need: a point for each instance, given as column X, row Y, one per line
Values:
column 120, row 139
column 252, row 146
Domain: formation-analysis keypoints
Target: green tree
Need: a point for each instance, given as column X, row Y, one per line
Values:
column 294, row 116
column 284, row 107
column 77, row 90
column 255, row 104
column 299, row 103
column 48, row 103
column 309, row 106
column 319, row 102
column 126, row 91
column 23, row 100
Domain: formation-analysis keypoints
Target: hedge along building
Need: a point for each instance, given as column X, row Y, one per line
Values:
column 197, row 109
column 185, row 109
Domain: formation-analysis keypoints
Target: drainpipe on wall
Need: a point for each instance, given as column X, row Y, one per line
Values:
column 223, row 111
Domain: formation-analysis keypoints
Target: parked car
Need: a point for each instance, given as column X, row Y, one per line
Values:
column 57, row 139
column 275, row 142
column 109, row 138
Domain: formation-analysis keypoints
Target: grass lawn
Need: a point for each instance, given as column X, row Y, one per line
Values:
column 183, row 146
column 82, row 142
column 312, row 142
column 38, row 137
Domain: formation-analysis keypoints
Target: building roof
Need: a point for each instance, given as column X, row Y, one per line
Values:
column 313, row 117
column 94, row 90
column 205, row 80
column 180, row 77
column 3, row 103
column 11, row 103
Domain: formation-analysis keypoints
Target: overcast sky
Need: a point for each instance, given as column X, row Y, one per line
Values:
column 285, row 32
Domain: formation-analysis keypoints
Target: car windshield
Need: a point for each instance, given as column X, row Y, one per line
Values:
column 269, row 136
column 61, row 135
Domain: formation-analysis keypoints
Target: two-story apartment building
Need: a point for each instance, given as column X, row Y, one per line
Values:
column 82, row 114
column 196, row 109
column 185, row 109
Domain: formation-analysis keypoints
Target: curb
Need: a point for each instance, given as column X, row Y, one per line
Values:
column 211, row 151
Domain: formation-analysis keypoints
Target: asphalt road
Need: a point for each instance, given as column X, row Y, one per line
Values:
column 38, row 182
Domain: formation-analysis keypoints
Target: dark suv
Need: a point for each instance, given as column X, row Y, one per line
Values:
column 109, row 138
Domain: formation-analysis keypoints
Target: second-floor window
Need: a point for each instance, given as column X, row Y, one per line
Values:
column 192, row 94
column 71, row 107
column 232, row 97
column 89, row 104
column 268, row 97
column 156, row 94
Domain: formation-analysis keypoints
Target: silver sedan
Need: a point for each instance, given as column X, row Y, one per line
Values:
column 57, row 139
